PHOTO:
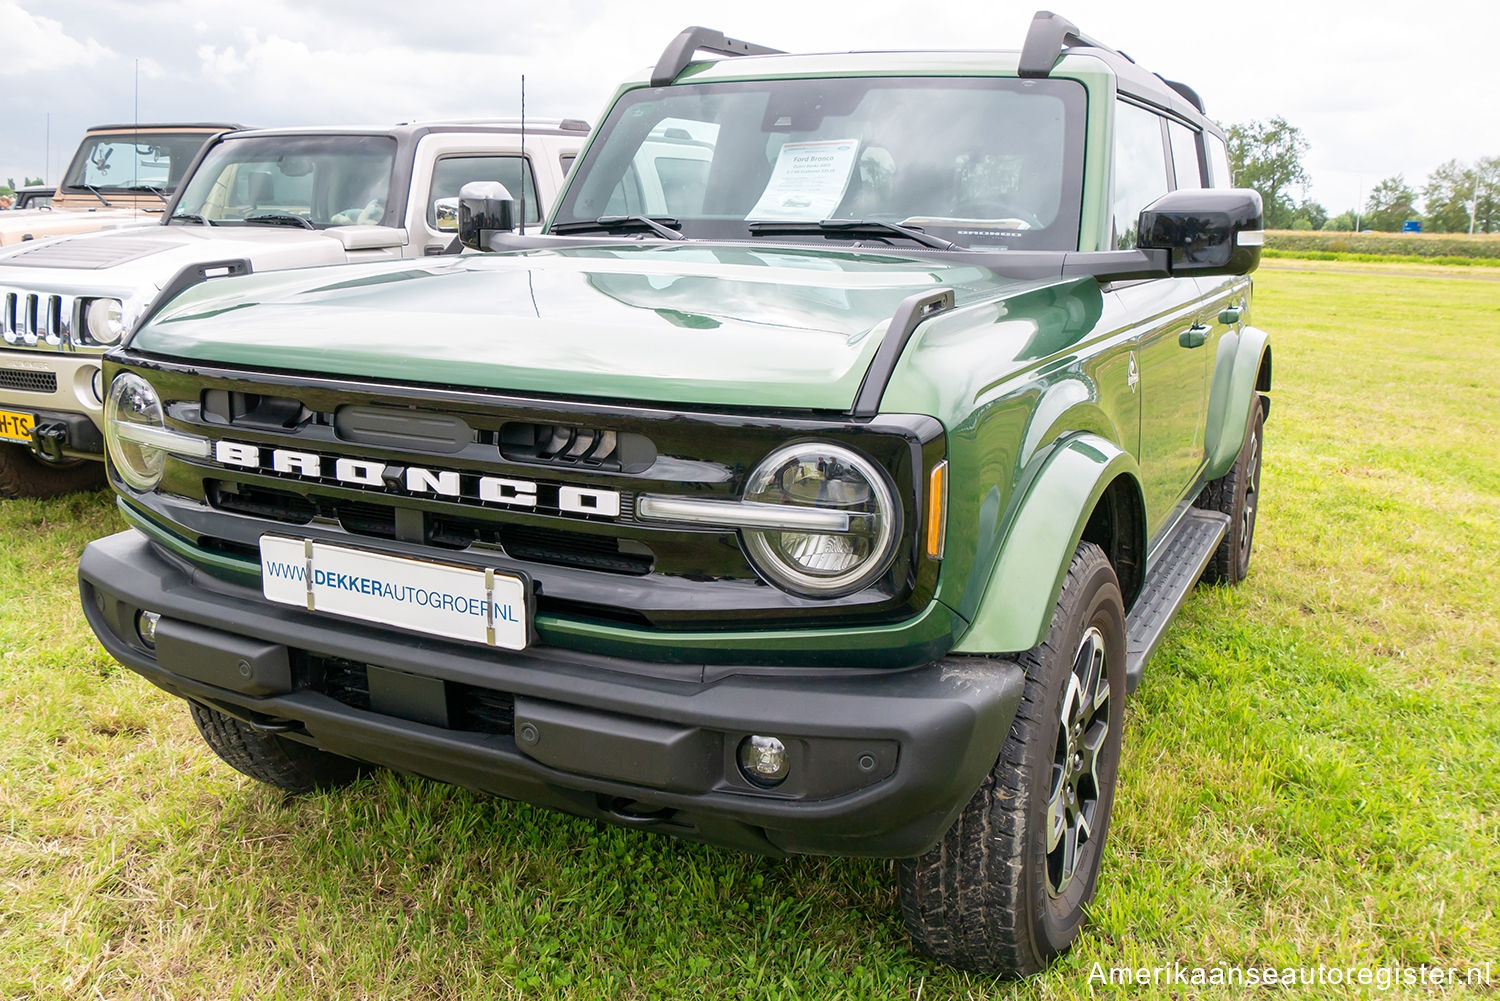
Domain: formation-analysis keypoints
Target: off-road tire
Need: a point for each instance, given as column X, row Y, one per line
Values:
column 1237, row 494
column 22, row 474
column 982, row 899
column 270, row 758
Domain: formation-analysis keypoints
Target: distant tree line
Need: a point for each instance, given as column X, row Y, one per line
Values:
column 1456, row 198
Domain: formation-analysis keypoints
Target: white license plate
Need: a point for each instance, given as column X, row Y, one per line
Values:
column 480, row 606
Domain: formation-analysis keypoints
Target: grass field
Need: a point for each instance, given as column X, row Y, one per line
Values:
column 1311, row 773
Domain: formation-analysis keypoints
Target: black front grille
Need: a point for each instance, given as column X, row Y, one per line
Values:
column 557, row 547
column 28, row 382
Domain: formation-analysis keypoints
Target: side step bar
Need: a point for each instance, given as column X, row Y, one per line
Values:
column 1178, row 568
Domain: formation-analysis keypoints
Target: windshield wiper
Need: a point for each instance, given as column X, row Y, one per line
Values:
column 151, row 188
column 852, row 228
column 201, row 220
column 280, row 219
column 662, row 226
column 95, row 192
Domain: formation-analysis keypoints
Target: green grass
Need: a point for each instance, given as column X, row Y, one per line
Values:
column 1310, row 769
column 1271, row 253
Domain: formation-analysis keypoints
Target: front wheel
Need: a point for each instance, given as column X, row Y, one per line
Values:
column 1004, row 891
column 22, row 474
column 270, row 758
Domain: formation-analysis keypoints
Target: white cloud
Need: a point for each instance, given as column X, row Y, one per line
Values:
column 34, row 44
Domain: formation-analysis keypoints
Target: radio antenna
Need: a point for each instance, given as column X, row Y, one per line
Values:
column 135, row 143
column 523, row 154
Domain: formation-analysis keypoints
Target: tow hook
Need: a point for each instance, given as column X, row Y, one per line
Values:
column 49, row 440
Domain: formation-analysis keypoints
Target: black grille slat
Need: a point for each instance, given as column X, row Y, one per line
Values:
column 28, row 382
column 572, row 549
column 278, row 505
column 586, row 448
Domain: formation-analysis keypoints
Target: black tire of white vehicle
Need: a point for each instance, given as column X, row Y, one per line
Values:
column 22, row 474
column 996, row 895
column 1237, row 494
column 272, row 759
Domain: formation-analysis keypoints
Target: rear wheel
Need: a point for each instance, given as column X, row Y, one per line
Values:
column 1004, row 891
column 1237, row 494
column 270, row 758
column 22, row 474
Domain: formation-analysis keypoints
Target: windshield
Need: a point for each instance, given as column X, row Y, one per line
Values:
column 989, row 163
column 131, row 161
column 312, row 181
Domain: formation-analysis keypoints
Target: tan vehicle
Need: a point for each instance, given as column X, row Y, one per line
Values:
column 121, row 175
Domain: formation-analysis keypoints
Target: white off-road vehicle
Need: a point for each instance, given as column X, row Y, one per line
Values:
column 256, row 200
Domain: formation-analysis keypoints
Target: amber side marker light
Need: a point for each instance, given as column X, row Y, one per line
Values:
column 937, row 509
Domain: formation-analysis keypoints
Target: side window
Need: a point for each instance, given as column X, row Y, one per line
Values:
column 451, row 173
column 1218, row 162
column 1140, row 168
column 565, row 160
column 1185, row 166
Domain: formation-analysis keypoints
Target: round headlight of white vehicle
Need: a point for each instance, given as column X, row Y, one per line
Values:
column 105, row 319
column 823, row 564
column 133, row 404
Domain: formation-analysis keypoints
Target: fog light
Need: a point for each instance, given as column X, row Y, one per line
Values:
column 763, row 760
column 145, row 625
column 97, row 385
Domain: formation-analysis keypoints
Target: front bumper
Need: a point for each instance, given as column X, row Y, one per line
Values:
column 881, row 760
column 57, row 389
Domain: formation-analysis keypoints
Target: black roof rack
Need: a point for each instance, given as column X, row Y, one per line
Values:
column 1189, row 93
column 681, row 49
column 1046, row 39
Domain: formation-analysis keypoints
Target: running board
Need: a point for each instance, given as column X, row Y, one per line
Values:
column 1181, row 563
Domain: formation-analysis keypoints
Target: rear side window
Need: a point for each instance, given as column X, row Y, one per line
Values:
column 1140, row 168
column 1218, row 162
column 1185, row 165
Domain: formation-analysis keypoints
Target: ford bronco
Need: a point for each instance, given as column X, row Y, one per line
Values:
column 820, row 478
column 258, row 200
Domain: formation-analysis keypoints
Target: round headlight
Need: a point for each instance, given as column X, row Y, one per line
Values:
column 106, row 321
column 823, row 564
column 133, row 403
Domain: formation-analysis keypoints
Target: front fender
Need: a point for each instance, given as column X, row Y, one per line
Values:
column 1236, row 368
column 1016, row 609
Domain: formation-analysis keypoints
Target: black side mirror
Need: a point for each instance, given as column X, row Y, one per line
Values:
column 484, row 207
column 1207, row 231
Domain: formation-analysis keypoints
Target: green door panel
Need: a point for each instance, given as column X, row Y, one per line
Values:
column 1174, row 389
column 1016, row 608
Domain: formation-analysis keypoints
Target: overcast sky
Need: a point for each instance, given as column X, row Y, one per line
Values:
column 1378, row 88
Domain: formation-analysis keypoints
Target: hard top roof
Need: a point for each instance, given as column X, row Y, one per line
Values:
column 401, row 130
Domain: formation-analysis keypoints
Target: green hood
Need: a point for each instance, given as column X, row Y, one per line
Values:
column 733, row 326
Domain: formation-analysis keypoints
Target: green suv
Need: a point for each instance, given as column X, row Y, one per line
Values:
column 818, row 479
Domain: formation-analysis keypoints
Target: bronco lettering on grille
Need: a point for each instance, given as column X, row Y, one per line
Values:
column 420, row 481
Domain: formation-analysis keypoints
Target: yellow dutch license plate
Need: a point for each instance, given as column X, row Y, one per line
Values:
column 16, row 427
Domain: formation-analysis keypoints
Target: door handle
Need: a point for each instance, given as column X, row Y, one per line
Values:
column 1229, row 316
column 1194, row 336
